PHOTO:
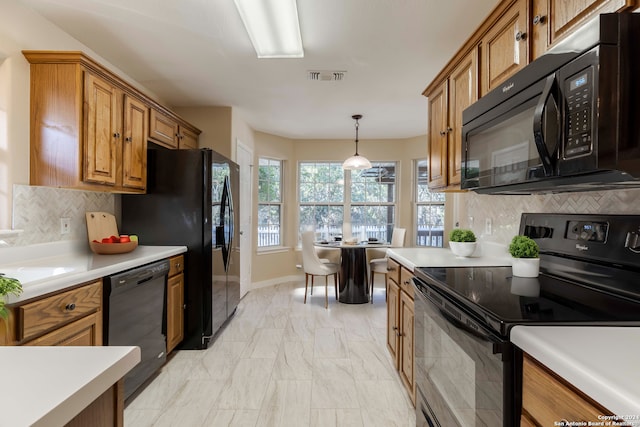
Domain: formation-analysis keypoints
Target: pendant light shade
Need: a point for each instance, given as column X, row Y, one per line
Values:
column 356, row 161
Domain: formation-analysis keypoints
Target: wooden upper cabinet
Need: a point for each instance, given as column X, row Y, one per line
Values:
column 167, row 131
column 463, row 91
column 89, row 128
column 102, row 138
column 552, row 20
column 188, row 138
column 446, row 103
column 437, row 133
column 505, row 46
column 163, row 129
column 134, row 152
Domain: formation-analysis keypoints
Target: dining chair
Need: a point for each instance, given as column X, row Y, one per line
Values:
column 313, row 266
column 379, row 265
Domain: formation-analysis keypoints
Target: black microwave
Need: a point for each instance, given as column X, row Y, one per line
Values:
column 568, row 121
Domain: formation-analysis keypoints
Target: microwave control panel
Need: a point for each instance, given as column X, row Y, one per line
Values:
column 578, row 92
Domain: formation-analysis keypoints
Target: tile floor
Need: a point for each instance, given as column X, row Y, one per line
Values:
column 280, row 362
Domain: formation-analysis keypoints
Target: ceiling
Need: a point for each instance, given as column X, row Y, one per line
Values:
column 197, row 53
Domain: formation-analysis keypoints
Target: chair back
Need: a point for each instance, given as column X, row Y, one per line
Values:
column 397, row 238
column 310, row 260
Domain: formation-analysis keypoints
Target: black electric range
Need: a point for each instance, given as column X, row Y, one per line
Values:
column 589, row 275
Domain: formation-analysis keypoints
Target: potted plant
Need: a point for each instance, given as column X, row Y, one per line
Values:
column 462, row 242
column 8, row 286
column 525, row 253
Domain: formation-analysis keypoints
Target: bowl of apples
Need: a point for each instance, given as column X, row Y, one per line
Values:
column 103, row 235
column 114, row 244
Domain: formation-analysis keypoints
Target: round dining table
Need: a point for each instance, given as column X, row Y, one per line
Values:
column 353, row 287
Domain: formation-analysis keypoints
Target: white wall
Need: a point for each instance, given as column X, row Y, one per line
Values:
column 23, row 29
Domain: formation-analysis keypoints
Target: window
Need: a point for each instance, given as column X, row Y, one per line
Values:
column 430, row 210
column 269, row 202
column 321, row 197
column 327, row 194
column 373, row 196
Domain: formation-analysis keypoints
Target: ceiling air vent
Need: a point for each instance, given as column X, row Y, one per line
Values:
column 326, row 76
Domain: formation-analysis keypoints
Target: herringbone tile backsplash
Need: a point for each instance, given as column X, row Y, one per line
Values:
column 37, row 211
column 505, row 211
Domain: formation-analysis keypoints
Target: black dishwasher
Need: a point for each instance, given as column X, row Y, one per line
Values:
column 134, row 314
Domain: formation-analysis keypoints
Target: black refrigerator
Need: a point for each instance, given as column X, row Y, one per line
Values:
column 191, row 200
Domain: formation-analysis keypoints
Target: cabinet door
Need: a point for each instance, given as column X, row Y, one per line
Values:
column 567, row 15
column 134, row 151
column 540, row 38
column 175, row 312
column 163, row 129
column 406, row 344
column 437, row 149
column 84, row 332
column 463, row 91
column 393, row 320
column 188, row 139
column 102, row 135
column 505, row 47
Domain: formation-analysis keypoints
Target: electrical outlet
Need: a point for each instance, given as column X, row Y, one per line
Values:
column 487, row 226
column 65, row 225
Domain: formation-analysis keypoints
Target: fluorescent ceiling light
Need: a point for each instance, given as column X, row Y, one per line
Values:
column 273, row 27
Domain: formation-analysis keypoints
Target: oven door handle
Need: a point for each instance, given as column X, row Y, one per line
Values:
column 486, row 337
column 550, row 89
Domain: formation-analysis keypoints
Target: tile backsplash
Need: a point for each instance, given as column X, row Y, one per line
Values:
column 37, row 211
column 504, row 211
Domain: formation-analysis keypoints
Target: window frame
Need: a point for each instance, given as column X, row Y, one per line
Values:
column 279, row 204
column 347, row 203
column 418, row 204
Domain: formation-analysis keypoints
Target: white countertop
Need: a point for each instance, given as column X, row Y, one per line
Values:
column 602, row 362
column 48, row 386
column 50, row 267
column 487, row 255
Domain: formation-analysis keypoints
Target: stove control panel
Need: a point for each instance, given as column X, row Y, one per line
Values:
column 588, row 231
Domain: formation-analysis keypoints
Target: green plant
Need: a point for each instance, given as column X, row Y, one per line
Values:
column 461, row 235
column 8, row 286
column 523, row 247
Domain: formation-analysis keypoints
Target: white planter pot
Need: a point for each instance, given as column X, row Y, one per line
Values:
column 463, row 249
column 525, row 267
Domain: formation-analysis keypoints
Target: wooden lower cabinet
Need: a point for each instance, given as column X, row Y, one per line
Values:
column 106, row 411
column 84, row 332
column 400, row 331
column 547, row 399
column 72, row 317
column 175, row 303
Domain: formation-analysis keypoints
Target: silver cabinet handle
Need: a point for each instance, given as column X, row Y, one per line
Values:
column 539, row 19
column 520, row 36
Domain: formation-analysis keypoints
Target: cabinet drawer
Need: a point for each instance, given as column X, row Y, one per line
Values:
column 406, row 284
column 51, row 312
column 393, row 270
column 176, row 265
column 548, row 400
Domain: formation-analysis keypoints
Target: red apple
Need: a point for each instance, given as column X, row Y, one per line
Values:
column 106, row 240
column 95, row 241
column 115, row 239
column 124, row 239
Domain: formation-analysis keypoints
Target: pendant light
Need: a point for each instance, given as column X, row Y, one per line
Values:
column 356, row 161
